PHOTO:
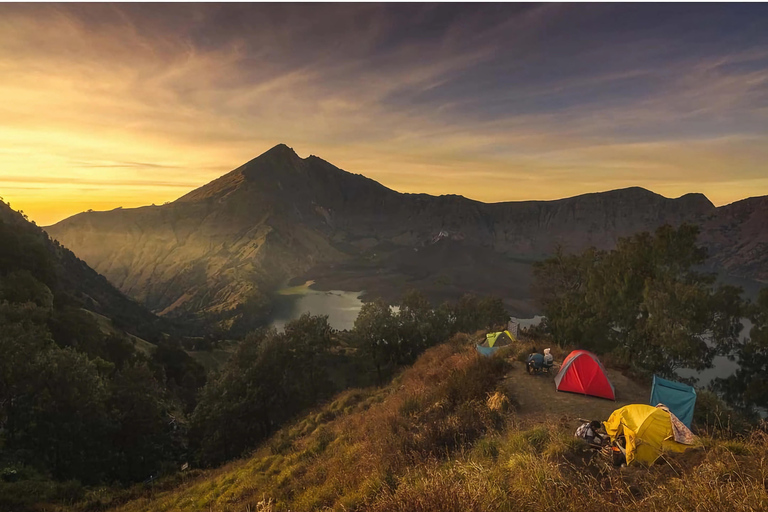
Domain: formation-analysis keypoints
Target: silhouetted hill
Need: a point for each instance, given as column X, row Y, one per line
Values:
column 281, row 217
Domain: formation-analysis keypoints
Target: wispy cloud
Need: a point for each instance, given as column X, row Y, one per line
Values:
column 498, row 102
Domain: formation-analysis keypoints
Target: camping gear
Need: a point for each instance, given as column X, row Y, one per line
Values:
column 588, row 431
column 494, row 341
column 642, row 433
column 583, row 373
column 537, row 363
column 679, row 398
column 514, row 328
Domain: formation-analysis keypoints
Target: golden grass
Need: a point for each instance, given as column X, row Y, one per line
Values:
column 443, row 437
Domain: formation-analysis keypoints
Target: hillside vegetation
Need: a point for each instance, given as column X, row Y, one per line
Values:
column 82, row 401
column 87, row 411
column 447, row 435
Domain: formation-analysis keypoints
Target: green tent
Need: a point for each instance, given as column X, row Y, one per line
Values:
column 494, row 341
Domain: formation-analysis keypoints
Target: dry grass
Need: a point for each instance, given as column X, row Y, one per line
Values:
column 443, row 437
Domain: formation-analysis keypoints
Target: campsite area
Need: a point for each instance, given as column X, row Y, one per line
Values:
column 461, row 431
column 538, row 400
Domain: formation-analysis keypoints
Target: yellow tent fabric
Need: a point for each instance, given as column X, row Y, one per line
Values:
column 647, row 430
column 491, row 337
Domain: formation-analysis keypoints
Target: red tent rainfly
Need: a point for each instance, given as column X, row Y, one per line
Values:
column 583, row 373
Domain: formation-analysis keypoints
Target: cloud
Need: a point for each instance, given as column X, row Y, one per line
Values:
column 137, row 102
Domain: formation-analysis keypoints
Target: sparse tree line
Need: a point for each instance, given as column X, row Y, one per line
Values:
column 273, row 376
column 79, row 404
column 647, row 303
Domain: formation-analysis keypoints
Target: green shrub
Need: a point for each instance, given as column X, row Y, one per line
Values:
column 537, row 438
column 488, row 448
column 736, row 447
column 323, row 437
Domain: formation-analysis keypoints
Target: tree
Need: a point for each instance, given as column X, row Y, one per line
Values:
column 376, row 333
column 234, row 408
column 747, row 388
column 62, row 420
column 309, row 334
column 269, row 378
column 493, row 315
column 180, row 373
column 415, row 326
column 310, row 339
column 560, row 288
column 147, row 431
column 643, row 301
column 467, row 314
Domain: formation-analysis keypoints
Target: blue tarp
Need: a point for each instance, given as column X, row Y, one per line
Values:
column 487, row 351
column 679, row 398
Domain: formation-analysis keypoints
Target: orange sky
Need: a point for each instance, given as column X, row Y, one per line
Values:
column 107, row 106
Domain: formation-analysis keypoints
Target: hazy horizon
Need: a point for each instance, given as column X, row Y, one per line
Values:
column 133, row 104
column 184, row 192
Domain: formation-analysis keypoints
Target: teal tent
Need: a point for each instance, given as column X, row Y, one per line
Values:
column 679, row 398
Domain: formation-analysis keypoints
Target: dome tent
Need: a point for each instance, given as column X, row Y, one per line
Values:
column 648, row 432
column 583, row 373
column 494, row 341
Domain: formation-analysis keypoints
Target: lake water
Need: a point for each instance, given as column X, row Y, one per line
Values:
column 340, row 306
column 722, row 366
column 528, row 322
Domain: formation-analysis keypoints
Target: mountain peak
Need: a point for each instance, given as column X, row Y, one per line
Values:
column 277, row 159
column 280, row 151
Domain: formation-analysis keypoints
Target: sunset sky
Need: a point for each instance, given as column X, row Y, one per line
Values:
column 126, row 105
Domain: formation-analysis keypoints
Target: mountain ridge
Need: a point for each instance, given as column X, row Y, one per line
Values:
column 70, row 279
column 280, row 217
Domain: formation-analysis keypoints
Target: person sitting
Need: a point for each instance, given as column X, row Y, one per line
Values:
column 549, row 360
column 535, row 361
column 589, row 432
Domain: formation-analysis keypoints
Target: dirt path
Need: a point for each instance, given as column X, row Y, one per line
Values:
column 538, row 399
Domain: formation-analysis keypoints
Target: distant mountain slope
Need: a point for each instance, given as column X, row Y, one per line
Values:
column 737, row 238
column 280, row 216
column 26, row 247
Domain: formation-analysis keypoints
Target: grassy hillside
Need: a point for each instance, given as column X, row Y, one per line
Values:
column 460, row 432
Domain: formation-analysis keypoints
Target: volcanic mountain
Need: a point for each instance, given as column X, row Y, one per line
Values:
column 220, row 249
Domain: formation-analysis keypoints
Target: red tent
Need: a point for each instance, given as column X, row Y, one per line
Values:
column 583, row 373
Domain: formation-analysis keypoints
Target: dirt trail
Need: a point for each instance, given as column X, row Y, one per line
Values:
column 538, row 399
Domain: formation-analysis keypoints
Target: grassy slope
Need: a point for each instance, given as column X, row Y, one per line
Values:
column 107, row 327
column 460, row 432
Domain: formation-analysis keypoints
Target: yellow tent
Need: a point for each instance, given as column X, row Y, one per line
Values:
column 648, row 432
column 497, row 339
